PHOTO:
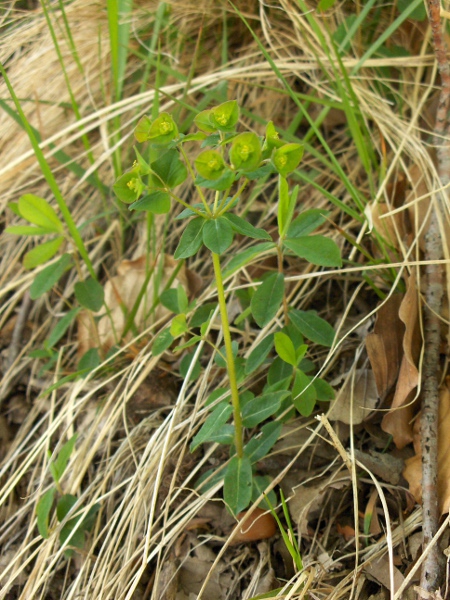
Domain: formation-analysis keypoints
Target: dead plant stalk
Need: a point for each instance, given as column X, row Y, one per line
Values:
column 431, row 572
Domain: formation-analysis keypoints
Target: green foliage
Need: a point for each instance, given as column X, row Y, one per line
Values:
column 226, row 161
column 74, row 529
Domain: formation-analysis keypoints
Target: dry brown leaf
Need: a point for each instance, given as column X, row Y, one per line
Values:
column 379, row 570
column 305, row 503
column 356, row 399
column 413, row 469
column 384, row 345
column 258, row 525
column 121, row 291
column 399, row 422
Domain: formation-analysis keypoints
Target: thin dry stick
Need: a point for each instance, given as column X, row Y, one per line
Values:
column 431, row 572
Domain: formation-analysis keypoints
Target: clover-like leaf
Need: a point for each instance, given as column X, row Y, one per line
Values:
column 210, row 165
column 287, row 158
column 225, row 116
column 245, row 151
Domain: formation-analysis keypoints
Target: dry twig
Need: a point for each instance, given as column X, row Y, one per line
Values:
column 431, row 575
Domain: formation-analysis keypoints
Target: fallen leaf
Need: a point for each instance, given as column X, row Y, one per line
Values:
column 398, row 421
column 253, row 526
column 356, row 399
column 384, row 345
column 379, row 570
column 413, row 469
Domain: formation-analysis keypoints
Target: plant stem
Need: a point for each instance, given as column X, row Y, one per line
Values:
column 238, row 438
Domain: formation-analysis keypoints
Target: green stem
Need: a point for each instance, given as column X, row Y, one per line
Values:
column 230, row 357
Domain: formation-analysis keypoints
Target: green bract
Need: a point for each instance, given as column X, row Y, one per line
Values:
column 129, row 186
column 287, row 158
column 142, row 129
column 202, row 120
column 225, row 116
column 245, row 152
column 163, row 130
column 272, row 138
column 210, row 165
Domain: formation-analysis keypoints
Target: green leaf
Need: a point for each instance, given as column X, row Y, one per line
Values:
column 28, row 230
column 237, row 487
column 267, row 299
column 185, row 365
column 307, row 222
column 210, row 165
column 213, row 423
column 313, row 327
column 43, row 509
column 38, row 211
column 42, row 253
column 142, row 129
column 175, row 299
column 262, row 407
column 260, row 484
column 261, row 444
column 418, row 14
column 287, row 158
column 90, row 294
column 325, row 5
column 259, row 354
column 304, row 394
column 128, row 187
column 285, row 348
column 225, row 116
column 324, row 390
column 58, row 466
column 247, row 256
column 286, row 204
column 224, row 182
column 48, row 277
column 279, row 372
column 188, row 212
column 178, row 326
column 272, row 139
column 316, row 249
column 65, row 505
column 245, row 228
column 162, row 341
column 191, row 240
column 89, row 361
column 245, row 151
column 218, row 235
column 163, row 130
column 202, row 314
column 169, row 169
column 156, row 202
column 61, row 327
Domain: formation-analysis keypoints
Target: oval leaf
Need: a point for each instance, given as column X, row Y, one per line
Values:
column 245, row 228
column 49, row 276
column 313, row 327
column 156, row 202
column 237, row 488
column 316, row 249
column 191, row 240
column 42, row 253
column 262, row 407
column 170, row 170
column 218, row 235
column 90, row 294
column 213, row 424
column 43, row 508
column 38, row 211
column 267, row 299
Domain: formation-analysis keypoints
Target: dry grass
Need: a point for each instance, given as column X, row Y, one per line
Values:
column 141, row 471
